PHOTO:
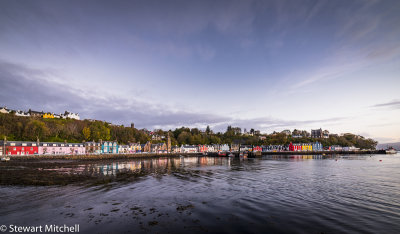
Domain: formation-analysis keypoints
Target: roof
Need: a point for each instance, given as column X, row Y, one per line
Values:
column 189, row 146
column 18, row 143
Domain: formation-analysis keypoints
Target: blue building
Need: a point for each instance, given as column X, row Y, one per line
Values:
column 109, row 147
column 317, row 146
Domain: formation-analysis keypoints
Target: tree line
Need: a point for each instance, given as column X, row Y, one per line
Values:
column 70, row 130
column 59, row 130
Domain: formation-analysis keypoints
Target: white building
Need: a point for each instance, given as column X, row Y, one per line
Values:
column 189, row 149
column 21, row 113
column 4, row 110
column 70, row 115
column 123, row 149
column 211, row 148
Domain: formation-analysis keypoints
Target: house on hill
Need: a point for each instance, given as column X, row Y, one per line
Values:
column 35, row 113
column 4, row 110
column 70, row 115
column 21, row 113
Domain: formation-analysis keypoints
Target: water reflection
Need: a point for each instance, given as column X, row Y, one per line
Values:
column 274, row 194
column 145, row 166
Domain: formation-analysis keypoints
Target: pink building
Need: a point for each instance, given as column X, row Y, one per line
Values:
column 56, row 148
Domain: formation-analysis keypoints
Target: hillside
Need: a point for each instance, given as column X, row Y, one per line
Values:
column 59, row 130
column 395, row 145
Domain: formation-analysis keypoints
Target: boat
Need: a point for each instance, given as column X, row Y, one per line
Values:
column 222, row 154
column 243, row 155
column 231, row 155
column 5, row 159
column 391, row 150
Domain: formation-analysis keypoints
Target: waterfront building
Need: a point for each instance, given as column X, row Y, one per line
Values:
column 159, row 148
column 306, row 147
column 211, row 148
column 135, row 148
column 123, row 149
column 224, row 148
column 18, row 148
column 294, row 147
column 92, row 147
column 335, row 148
column 317, row 146
column 257, row 149
column 146, row 147
column 176, row 149
column 291, row 147
column 216, row 148
column 273, row 148
column 203, row 148
column 57, row 148
column 246, row 148
column 234, row 147
column 109, row 147
column 189, row 149
column 350, row 148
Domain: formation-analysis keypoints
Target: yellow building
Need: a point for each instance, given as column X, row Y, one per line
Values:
column 306, row 147
column 135, row 148
column 48, row 116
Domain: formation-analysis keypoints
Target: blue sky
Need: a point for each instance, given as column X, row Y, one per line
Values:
column 270, row 65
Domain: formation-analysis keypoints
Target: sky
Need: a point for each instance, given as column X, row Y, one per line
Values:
column 267, row 65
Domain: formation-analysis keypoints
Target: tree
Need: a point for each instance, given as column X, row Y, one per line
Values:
column 208, row 130
column 35, row 129
column 86, row 133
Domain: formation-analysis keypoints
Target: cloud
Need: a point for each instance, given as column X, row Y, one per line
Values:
column 26, row 88
column 269, row 124
column 393, row 104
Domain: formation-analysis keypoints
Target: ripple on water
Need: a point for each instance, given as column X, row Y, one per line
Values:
column 302, row 195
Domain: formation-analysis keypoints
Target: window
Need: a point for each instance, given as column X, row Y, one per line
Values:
column 14, row 148
column 31, row 148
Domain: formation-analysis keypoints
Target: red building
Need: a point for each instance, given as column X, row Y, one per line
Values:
column 203, row 148
column 291, row 147
column 257, row 148
column 294, row 147
column 20, row 148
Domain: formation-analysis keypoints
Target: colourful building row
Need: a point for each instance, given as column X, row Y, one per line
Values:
column 316, row 146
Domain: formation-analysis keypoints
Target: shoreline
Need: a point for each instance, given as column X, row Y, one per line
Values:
column 155, row 155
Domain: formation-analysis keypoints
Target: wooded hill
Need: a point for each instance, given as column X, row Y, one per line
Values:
column 60, row 130
column 70, row 130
